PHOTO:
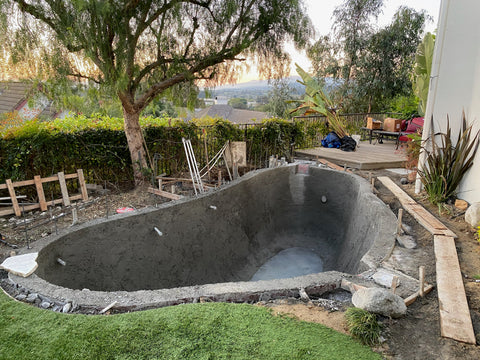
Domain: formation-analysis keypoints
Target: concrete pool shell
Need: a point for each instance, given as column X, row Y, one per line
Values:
column 212, row 245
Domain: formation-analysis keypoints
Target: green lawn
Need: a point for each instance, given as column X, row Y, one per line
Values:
column 196, row 331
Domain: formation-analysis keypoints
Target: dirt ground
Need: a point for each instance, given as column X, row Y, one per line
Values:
column 415, row 336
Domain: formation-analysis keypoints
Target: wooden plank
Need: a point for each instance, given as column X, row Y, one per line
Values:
column 164, row 194
column 50, row 179
column 455, row 321
column 424, row 218
column 40, row 192
column 76, row 197
column 63, row 188
column 8, row 211
column 83, row 187
column 71, row 176
column 350, row 286
column 396, row 190
column 23, row 183
column 11, row 192
column 332, row 165
column 411, row 299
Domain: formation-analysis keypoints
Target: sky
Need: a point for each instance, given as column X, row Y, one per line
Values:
column 320, row 12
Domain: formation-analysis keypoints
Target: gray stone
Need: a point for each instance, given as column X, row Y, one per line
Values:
column 403, row 181
column 407, row 228
column 379, row 301
column 45, row 305
column 21, row 297
column 407, row 241
column 67, row 307
column 384, row 278
column 57, row 308
column 31, row 298
column 472, row 215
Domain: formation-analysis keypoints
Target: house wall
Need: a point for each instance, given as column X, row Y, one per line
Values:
column 455, row 81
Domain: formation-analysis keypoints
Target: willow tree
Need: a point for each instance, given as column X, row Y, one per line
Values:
column 138, row 50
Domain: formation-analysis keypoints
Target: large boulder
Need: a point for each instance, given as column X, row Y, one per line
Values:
column 472, row 215
column 379, row 301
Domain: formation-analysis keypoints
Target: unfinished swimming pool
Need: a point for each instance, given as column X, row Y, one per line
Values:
column 270, row 232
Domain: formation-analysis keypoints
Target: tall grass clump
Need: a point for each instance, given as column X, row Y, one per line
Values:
column 447, row 162
column 363, row 326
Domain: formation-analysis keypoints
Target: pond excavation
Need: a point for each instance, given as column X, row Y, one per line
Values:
column 265, row 235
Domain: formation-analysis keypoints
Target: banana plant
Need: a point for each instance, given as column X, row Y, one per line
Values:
column 423, row 70
column 316, row 101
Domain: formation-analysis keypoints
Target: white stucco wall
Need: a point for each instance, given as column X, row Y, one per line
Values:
column 455, row 82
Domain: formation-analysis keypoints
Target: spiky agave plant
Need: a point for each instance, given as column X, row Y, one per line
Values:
column 446, row 163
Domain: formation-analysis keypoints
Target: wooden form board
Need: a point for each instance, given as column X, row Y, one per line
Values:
column 164, row 194
column 455, row 321
column 42, row 203
column 332, row 165
column 427, row 220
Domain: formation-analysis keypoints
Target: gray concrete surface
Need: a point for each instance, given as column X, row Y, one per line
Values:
column 214, row 252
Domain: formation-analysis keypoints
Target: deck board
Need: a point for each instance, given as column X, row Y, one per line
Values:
column 366, row 157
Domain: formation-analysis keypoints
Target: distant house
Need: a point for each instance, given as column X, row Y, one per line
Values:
column 13, row 97
column 221, row 100
column 237, row 116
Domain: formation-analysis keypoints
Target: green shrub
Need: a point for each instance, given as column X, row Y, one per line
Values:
column 98, row 145
column 363, row 325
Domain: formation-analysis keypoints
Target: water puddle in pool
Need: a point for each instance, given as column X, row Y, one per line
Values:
column 289, row 263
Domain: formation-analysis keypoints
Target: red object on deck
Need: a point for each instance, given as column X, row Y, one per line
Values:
column 412, row 127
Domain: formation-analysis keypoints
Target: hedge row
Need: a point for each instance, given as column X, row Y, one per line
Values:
column 99, row 147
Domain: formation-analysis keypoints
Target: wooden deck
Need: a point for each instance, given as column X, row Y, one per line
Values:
column 366, row 157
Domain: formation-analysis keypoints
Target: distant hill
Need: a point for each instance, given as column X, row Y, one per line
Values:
column 256, row 88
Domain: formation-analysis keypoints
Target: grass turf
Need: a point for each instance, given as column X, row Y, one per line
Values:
column 195, row 331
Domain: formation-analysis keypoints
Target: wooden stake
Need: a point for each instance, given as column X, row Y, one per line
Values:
column 372, row 181
column 104, row 310
column 421, row 276
column 63, row 188
column 159, row 184
column 219, row 177
column 399, row 222
column 235, row 170
column 206, row 153
column 40, row 193
column 83, row 187
column 394, row 284
column 11, row 192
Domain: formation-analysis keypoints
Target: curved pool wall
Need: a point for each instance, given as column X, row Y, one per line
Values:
column 213, row 244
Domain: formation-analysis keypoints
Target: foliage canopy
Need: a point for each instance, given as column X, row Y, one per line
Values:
column 137, row 50
column 374, row 65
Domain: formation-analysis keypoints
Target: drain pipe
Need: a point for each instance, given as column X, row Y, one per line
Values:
column 61, row 262
column 158, row 231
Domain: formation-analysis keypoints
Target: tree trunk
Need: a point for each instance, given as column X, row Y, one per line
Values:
column 133, row 132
